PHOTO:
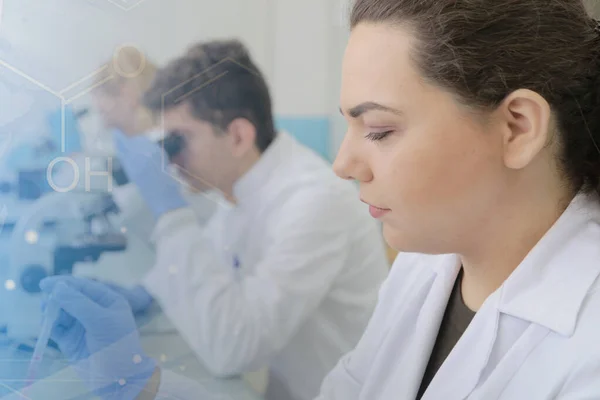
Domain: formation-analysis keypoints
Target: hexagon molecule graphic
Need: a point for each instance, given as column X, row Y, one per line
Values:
column 20, row 103
column 33, row 59
column 126, row 5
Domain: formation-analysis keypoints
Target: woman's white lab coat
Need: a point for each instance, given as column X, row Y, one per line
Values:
column 537, row 337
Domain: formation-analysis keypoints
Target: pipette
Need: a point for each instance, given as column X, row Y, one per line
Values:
column 50, row 316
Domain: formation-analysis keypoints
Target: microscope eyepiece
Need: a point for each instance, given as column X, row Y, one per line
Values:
column 173, row 144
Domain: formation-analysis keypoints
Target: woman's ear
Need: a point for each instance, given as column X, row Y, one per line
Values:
column 526, row 118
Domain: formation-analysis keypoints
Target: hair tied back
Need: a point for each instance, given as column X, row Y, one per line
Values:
column 596, row 25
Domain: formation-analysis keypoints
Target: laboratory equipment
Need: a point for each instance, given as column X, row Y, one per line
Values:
column 57, row 381
column 64, row 130
column 50, row 316
column 173, row 144
column 31, row 184
column 59, row 231
column 28, row 179
column 28, row 160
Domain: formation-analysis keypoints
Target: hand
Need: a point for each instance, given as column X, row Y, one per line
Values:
column 138, row 298
column 142, row 160
column 97, row 333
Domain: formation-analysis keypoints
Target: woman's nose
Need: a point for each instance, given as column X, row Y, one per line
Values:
column 351, row 161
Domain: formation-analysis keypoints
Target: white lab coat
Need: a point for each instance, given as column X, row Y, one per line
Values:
column 535, row 338
column 311, row 262
column 136, row 217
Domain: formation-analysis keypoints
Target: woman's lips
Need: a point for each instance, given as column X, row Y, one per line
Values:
column 377, row 212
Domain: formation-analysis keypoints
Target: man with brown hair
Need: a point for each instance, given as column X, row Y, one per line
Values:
column 286, row 272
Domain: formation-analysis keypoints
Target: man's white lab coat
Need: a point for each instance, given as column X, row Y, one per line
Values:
column 536, row 338
column 287, row 278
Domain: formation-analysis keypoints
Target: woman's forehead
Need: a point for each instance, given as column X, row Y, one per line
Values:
column 378, row 67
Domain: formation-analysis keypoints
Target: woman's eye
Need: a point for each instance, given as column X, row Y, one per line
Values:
column 375, row 136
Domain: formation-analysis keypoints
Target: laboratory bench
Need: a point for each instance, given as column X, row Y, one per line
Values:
column 58, row 381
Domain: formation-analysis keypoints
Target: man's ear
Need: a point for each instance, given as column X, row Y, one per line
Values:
column 526, row 118
column 242, row 134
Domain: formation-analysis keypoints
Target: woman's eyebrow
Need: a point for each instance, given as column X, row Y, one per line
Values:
column 362, row 108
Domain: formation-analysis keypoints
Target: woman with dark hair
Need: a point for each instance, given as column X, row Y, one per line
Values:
column 474, row 132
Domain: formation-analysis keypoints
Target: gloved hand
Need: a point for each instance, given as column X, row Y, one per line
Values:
column 138, row 298
column 97, row 333
column 143, row 160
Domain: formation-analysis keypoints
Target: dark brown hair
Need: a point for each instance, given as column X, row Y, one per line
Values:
column 482, row 50
column 221, row 83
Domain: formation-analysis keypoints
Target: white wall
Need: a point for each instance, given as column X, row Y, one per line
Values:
column 301, row 46
column 339, row 36
column 62, row 41
column 296, row 43
column 309, row 43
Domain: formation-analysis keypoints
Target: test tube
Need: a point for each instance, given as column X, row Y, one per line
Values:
column 50, row 316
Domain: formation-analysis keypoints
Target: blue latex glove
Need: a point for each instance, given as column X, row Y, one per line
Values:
column 138, row 298
column 143, row 160
column 97, row 333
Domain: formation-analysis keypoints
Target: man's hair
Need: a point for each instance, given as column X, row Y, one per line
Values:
column 221, row 83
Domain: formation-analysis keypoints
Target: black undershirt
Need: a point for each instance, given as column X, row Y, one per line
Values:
column 457, row 318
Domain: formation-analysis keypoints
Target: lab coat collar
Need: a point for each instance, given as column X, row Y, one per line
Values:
column 259, row 174
column 549, row 286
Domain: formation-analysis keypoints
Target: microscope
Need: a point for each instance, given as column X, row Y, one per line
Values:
column 98, row 237
column 70, row 233
column 62, row 230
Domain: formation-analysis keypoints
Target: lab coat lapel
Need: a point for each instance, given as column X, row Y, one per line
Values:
column 460, row 372
column 502, row 373
column 421, row 329
column 545, row 277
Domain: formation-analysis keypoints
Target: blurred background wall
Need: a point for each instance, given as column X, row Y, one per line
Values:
column 58, row 44
column 50, row 49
